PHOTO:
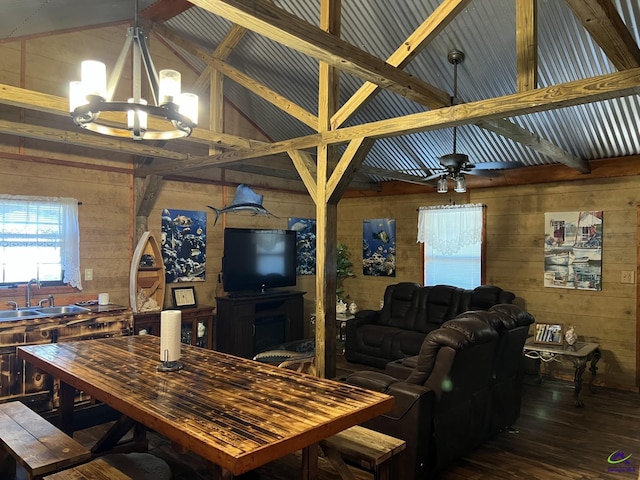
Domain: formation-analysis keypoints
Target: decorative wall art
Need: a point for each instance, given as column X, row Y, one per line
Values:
column 379, row 247
column 573, row 250
column 305, row 229
column 184, row 243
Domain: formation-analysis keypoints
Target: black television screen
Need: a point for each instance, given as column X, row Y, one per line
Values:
column 256, row 260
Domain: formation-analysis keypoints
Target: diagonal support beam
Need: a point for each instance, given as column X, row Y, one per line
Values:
column 347, row 167
column 410, row 48
column 601, row 19
column 237, row 76
column 289, row 30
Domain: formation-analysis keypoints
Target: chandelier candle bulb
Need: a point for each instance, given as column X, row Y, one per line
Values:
column 189, row 106
column 77, row 96
column 170, row 325
column 169, row 86
column 94, row 78
column 141, row 114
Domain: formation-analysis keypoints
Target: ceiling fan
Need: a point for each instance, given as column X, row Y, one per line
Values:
column 453, row 165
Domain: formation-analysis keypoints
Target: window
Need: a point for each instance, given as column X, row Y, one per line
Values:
column 39, row 238
column 452, row 237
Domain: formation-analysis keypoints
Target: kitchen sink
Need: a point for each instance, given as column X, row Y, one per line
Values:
column 40, row 312
column 4, row 314
column 61, row 310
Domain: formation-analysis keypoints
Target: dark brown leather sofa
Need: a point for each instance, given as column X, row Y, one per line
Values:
column 409, row 313
column 440, row 409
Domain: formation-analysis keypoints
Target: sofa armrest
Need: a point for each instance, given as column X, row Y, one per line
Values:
column 363, row 317
column 367, row 316
column 406, row 395
column 370, row 380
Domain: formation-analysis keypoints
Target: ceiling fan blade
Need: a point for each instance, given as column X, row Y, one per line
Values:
column 433, row 176
column 497, row 165
column 483, row 173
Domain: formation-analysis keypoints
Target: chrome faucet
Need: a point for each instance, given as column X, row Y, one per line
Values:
column 48, row 300
column 37, row 282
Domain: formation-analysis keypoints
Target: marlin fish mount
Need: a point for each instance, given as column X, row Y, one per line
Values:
column 245, row 200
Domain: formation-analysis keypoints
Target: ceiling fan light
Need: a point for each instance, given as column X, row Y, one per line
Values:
column 443, row 185
column 459, row 184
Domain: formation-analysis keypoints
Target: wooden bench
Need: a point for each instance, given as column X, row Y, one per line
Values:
column 97, row 469
column 38, row 446
column 118, row 466
column 371, row 450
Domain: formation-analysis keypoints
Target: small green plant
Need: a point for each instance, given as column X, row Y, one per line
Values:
column 344, row 271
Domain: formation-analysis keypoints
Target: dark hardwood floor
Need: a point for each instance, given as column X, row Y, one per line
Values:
column 554, row 440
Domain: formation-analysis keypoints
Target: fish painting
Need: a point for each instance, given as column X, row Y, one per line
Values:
column 245, row 200
column 382, row 236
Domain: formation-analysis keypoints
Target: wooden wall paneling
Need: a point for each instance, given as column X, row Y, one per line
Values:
column 515, row 245
column 637, row 292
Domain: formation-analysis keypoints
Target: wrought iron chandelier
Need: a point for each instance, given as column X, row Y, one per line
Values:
column 92, row 95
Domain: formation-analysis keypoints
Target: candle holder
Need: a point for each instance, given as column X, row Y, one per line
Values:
column 169, row 366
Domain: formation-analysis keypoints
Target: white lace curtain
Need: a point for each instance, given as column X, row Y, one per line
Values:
column 44, row 221
column 448, row 228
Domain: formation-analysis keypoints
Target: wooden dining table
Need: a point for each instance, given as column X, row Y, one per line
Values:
column 239, row 414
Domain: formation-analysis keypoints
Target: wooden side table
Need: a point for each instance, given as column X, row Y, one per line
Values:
column 578, row 354
column 149, row 322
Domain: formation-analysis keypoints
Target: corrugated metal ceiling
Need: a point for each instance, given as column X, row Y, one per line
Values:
column 484, row 31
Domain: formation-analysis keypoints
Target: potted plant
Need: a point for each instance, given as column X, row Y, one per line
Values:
column 344, row 271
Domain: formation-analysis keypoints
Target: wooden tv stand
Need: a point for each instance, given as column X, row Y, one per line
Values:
column 246, row 325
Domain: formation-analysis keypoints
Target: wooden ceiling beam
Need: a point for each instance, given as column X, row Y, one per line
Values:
column 289, row 30
column 163, row 10
column 42, row 102
column 569, row 94
column 601, row 19
column 88, row 140
column 526, row 45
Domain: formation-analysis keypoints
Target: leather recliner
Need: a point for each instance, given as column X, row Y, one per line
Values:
column 440, row 408
column 370, row 334
column 484, row 297
column 410, row 312
column 506, row 389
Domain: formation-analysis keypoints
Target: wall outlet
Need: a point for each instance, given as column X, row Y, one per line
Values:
column 627, row 276
column 88, row 273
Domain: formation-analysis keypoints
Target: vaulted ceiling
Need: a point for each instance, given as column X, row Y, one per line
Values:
column 543, row 82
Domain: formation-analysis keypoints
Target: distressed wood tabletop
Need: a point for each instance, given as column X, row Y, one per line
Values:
column 237, row 413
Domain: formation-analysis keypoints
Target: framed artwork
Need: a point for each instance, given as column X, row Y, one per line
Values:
column 184, row 297
column 184, row 245
column 305, row 229
column 548, row 333
column 573, row 250
column 379, row 247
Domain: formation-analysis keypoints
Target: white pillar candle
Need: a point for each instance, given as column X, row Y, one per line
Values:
column 170, row 326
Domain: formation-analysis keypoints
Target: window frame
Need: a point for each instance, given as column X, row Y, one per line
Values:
column 483, row 252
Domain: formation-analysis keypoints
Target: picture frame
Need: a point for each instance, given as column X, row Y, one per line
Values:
column 548, row 333
column 184, row 297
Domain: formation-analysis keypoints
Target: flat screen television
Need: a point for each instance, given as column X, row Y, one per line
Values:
column 256, row 260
